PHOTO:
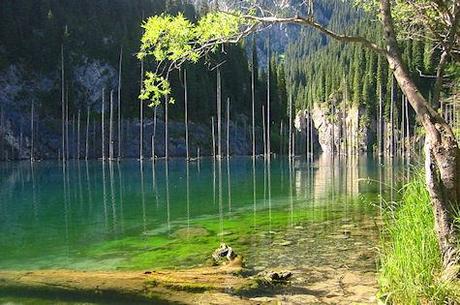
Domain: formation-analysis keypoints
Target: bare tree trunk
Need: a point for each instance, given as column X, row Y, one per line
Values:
column 213, row 138
column 253, row 99
column 186, row 115
column 87, row 135
column 2, row 134
column 281, row 138
column 103, row 125
column 63, row 103
column 268, row 121
column 141, row 117
column 73, row 138
column 307, row 134
column 293, row 142
column 32, row 132
column 111, row 152
column 380, row 128
column 290, row 127
column 21, row 140
column 166, row 128
column 154, row 131
column 219, row 115
column 264, row 131
column 119, row 103
column 94, row 139
column 312, row 148
column 67, row 123
column 78, row 134
column 442, row 153
column 228, row 128
column 333, row 129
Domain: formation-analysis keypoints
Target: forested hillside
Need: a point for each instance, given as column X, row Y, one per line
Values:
column 326, row 79
column 92, row 35
column 342, row 78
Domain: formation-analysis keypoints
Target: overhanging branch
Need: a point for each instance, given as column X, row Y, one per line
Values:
column 312, row 23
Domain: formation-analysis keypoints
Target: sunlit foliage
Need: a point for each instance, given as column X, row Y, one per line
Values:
column 174, row 40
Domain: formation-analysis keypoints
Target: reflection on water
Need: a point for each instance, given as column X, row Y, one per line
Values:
column 56, row 216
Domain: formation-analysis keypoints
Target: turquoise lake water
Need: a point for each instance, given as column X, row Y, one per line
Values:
column 142, row 215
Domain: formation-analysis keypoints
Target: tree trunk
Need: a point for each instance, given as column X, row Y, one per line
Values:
column 87, row 135
column 111, row 152
column 32, row 132
column 103, row 125
column 290, row 127
column 141, row 118
column 119, row 103
column 213, row 138
column 441, row 150
column 253, row 100
column 219, row 115
column 78, row 134
column 228, row 128
column 268, row 121
column 186, row 115
column 63, row 103
column 154, row 132
column 264, row 131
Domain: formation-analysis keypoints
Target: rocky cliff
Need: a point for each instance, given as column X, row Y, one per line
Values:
column 339, row 127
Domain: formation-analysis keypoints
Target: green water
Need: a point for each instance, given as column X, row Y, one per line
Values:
column 131, row 215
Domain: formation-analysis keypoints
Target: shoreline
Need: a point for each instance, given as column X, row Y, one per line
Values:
column 204, row 285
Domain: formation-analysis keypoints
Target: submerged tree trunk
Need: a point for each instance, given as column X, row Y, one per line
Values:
column 213, row 138
column 32, row 131
column 186, row 115
column 253, row 100
column 62, row 103
column 268, row 121
column 111, row 152
column 441, row 150
column 264, row 131
column 119, row 103
column 228, row 128
column 103, row 125
column 87, row 134
column 166, row 128
column 78, row 134
column 290, row 128
column 141, row 117
column 154, row 132
column 219, row 115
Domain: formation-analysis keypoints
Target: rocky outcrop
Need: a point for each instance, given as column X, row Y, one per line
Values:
column 339, row 127
column 20, row 88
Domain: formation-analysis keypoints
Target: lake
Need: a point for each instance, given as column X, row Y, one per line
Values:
column 136, row 215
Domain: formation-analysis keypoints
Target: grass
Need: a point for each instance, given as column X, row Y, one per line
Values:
column 411, row 264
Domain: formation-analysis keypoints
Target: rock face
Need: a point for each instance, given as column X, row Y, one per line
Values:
column 338, row 127
column 20, row 88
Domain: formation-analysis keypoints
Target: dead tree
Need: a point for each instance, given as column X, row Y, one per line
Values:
column 103, row 126
column 119, row 103
column 186, row 115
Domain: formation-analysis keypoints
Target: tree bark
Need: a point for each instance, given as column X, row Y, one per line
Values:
column 441, row 150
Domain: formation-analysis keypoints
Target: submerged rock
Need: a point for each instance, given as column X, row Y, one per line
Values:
column 273, row 277
column 225, row 254
column 284, row 243
column 346, row 234
column 185, row 233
